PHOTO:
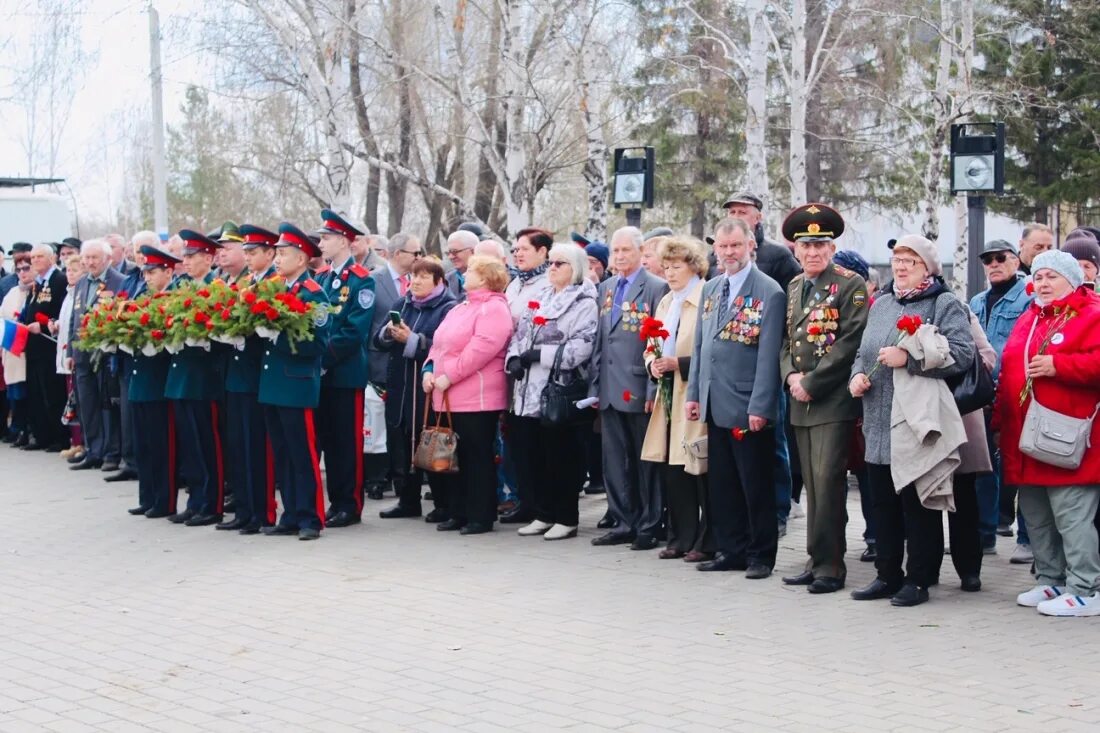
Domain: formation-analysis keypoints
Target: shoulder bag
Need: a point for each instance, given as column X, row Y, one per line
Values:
column 437, row 450
column 563, row 390
column 974, row 388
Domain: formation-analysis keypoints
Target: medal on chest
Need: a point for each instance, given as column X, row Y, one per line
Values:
column 632, row 315
column 744, row 326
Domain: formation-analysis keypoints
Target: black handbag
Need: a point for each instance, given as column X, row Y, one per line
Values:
column 563, row 390
column 973, row 389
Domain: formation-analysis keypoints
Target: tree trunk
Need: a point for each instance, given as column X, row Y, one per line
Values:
column 815, row 127
column 362, row 119
column 798, row 93
column 486, row 181
column 756, row 114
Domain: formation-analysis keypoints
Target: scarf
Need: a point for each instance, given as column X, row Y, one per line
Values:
column 436, row 292
column 909, row 293
column 672, row 318
column 526, row 275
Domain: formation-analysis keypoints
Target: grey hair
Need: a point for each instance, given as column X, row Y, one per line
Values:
column 145, row 236
column 97, row 244
column 398, row 241
column 729, row 225
column 576, row 258
column 45, row 249
column 497, row 249
column 464, row 237
column 633, row 234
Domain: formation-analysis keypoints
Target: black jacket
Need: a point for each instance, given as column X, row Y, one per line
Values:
column 44, row 299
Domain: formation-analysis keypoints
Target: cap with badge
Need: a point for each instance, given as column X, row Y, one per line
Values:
column 333, row 223
column 746, row 198
column 255, row 236
column 230, row 232
column 157, row 258
column 580, row 239
column 196, row 242
column 292, row 236
column 813, row 222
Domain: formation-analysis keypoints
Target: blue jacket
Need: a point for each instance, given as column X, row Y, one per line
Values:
column 351, row 293
column 999, row 322
column 293, row 379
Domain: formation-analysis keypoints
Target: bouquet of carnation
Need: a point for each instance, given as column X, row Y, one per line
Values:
column 152, row 317
column 653, row 332
column 187, row 320
column 107, row 327
column 268, row 309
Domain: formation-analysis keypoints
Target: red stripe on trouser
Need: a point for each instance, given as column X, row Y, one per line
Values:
column 220, row 471
column 357, row 451
column 270, row 483
column 311, row 441
column 172, row 490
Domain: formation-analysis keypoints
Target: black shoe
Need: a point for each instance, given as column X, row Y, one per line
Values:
column 154, row 514
column 476, row 528
column 519, row 515
column 644, row 542
column 279, row 530
column 233, row 524
column 756, row 571
column 249, row 529
column 180, row 517
column 78, row 458
column 606, row 522
column 342, row 519
column 110, row 466
column 126, row 474
column 451, row 525
column 971, row 584
column 32, row 445
column 375, row 491
column 869, row 555
column 803, row 578
column 593, row 489
column 86, row 464
column 435, row 516
column 399, row 511
column 229, row 505
column 138, row 510
column 909, row 595
column 722, row 561
column 55, row 447
column 202, row 520
column 825, row 585
column 21, row 441
column 309, row 534
column 875, row 590
column 613, row 538
column 1004, row 530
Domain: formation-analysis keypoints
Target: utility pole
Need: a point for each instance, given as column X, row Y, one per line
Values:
column 160, row 181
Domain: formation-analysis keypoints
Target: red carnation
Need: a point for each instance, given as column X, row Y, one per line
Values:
column 132, row 307
column 83, row 321
column 168, row 321
column 627, row 397
column 250, row 297
column 909, row 324
column 42, row 319
column 204, row 293
column 187, row 302
column 144, row 320
column 650, row 349
column 662, row 334
column 226, row 314
column 233, row 287
column 1030, row 288
column 157, row 334
column 121, row 294
column 271, row 314
column 539, row 321
column 201, row 317
column 533, row 305
column 209, row 326
column 739, row 433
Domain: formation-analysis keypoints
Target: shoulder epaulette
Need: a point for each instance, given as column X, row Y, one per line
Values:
column 359, row 271
column 311, row 285
column 842, row 271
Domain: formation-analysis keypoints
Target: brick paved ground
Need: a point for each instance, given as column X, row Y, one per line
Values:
column 115, row 623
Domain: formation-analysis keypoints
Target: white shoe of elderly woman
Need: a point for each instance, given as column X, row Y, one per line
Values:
column 560, row 532
column 534, row 528
column 1068, row 604
column 1038, row 594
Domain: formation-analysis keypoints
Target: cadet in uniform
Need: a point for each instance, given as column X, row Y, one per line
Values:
column 290, row 387
column 194, row 385
column 350, row 291
column 154, row 430
column 252, row 471
column 826, row 314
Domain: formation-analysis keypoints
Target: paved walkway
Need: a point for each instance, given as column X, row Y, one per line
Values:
column 110, row 622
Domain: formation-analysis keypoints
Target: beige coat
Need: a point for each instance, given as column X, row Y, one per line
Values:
column 656, row 446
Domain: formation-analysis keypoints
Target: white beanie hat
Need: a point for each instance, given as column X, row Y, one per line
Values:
column 1061, row 262
column 925, row 249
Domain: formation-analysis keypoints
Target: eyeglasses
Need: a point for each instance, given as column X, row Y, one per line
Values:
column 557, row 263
column 456, row 252
column 22, row 268
column 1000, row 257
column 416, row 254
column 906, row 261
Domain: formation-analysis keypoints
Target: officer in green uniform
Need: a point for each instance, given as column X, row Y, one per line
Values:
column 290, row 387
column 350, row 290
column 194, row 385
column 251, row 470
column 826, row 314
column 154, row 434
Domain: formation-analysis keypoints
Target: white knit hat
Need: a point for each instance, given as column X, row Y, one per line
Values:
column 925, row 249
column 1061, row 262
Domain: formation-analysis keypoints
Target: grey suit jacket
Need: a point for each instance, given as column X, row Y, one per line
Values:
column 617, row 363
column 731, row 379
column 455, row 286
column 86, row 296
column 386, row 299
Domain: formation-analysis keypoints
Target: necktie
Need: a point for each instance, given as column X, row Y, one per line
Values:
column 404, row 280
column 724, row 303
column 620, row 293
column 807, row 288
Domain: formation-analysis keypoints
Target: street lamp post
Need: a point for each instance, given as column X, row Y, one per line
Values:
column 977, row 169
column 633, row 182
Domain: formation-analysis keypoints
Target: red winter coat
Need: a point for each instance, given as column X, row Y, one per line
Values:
column 1074, row 390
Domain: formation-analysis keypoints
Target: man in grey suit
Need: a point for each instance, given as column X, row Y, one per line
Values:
column 625, row 394
column 101, row 437
column 734, row 385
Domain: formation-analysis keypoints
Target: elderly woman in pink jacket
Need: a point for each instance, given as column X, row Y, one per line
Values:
column 466, row 365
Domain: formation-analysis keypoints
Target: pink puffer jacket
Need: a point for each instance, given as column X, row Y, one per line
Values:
column 469, row 349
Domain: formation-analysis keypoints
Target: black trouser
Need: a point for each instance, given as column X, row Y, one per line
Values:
column 126, row 426
column 200, row 454
column 155, row 455
column 251, row 469
column 407, row 481
column 46, row 396
column 593, row 450
column 473, row 490
column 963, row 529
column 688, row 524
column 340, row 427
column 548, row 460
column 297, row 468
column 741, row 498
column 903, row 523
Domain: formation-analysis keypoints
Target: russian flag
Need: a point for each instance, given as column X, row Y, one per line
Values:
column 14, row 337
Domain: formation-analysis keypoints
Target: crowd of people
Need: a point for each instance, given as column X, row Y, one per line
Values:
column 704, row 387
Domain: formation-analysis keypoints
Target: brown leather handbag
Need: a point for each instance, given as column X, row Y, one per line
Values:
column 437, row 449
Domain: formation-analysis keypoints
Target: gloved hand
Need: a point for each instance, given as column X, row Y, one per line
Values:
column 529, row 357
column 514, row 367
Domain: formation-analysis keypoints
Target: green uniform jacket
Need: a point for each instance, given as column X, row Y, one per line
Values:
column 350, row 290
column 294, row 379
column 822, row 338
column 148, row 375
column 242, row 368
column 195, row 373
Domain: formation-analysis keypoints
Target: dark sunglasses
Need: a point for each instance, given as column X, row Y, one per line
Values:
column 999, row 257
column 557, row 263
column 22, row 268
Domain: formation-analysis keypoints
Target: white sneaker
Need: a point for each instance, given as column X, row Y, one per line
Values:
column 1068, row 604
column 796, row 511
column 1037, row 595
column 560, row 532
column 534, row 528
column 1022, row 555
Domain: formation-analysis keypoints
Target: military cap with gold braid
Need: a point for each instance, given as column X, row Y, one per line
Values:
column 813, row 223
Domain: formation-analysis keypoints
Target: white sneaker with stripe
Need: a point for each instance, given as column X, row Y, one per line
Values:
column 1037, row 595
column 1068, row 604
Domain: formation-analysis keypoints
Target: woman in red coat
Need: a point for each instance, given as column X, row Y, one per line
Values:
column 1053, row 356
